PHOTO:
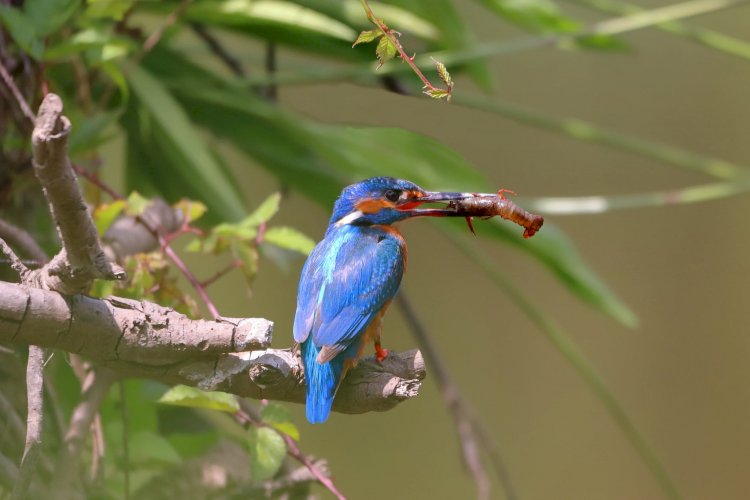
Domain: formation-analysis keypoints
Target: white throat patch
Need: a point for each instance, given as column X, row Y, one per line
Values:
column 349, row 218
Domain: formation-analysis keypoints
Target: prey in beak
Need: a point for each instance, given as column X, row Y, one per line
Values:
column 469, row 205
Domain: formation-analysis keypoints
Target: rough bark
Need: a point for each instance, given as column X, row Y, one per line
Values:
column 139, row 338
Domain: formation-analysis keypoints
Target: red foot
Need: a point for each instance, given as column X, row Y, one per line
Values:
column 380, row 353
column 501, row 193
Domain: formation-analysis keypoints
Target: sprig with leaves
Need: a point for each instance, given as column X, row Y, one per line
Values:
column 388, row 46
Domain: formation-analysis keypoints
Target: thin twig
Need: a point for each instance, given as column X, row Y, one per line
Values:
column 15, row 262
column 34, row 419
column 221, row 273
column 388, row 33
column 22, row 104
column 215, row 46
column 151, row 41
column 249, row 416
column 21, row 239
column 125, row 439
column 471, row 433
column 95, row 388
column 271, row 90
column 172, row 18
column 165, row 246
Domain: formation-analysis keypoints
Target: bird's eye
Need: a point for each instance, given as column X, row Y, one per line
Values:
column 392, row 195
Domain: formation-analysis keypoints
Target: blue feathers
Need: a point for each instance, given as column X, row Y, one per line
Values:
column 322, row 381
column 345, row 283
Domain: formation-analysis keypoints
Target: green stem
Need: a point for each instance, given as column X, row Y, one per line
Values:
column 402, row 54
column 565, row 346
column 480, row 51
column 579, row 129
column 703, row 36
column 599, row 204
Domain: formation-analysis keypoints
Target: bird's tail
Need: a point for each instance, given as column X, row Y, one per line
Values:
column 322, row 381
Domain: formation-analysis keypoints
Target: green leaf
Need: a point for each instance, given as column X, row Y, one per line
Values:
column 368, row 36
column 248, row 255
column 22, row 30
column 151, row 448
column 183, row 395
column 105, row 215
column 386, row 50
column 90, row 132
column 137, row 204
column 454, row 35
column 109, row 9
column 318, row 159
column 438, row 93
column 279, row 418
column 541, row 16
column 273, row 12
column 553, row 249
column 47, row 16
column 190, row 167
column 289, row 238
column 264, row 212
column 267, row 452
column 192, row 210
column 443, row 73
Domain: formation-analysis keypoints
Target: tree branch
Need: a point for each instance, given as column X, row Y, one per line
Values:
column 35, row 404
column 143, row 339
column 82, row 258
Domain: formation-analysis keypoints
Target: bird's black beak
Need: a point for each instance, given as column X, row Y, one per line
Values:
column 419, row 198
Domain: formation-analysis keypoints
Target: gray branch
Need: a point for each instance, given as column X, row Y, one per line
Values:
column 82, row 258
column 139, row 338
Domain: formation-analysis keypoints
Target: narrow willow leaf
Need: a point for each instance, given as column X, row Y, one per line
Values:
column 188, row 165
column 267, row 452
column 183, row 395
column 22, row 30
column 318, row 159
column 109, row 9
column 578, row 360
column 48, row 16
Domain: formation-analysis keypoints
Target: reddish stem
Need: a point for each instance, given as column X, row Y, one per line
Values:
column 294, row 451
column 404, row 57
column 163, row 243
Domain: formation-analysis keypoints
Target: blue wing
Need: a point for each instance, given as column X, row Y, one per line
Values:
column 345, row 283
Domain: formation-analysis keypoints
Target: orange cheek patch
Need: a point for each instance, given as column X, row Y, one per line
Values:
column 373, row 205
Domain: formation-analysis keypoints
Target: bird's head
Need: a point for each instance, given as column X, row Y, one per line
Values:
column 385, row 200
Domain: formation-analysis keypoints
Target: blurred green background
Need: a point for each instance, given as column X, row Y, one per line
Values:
column 682, row 374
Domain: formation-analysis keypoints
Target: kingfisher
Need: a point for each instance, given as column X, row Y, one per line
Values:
column 350, row 278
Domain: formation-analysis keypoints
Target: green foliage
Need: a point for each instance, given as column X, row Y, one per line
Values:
column 267, row 452
column 278, row 417
column 183, row 395
column 175, row 118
